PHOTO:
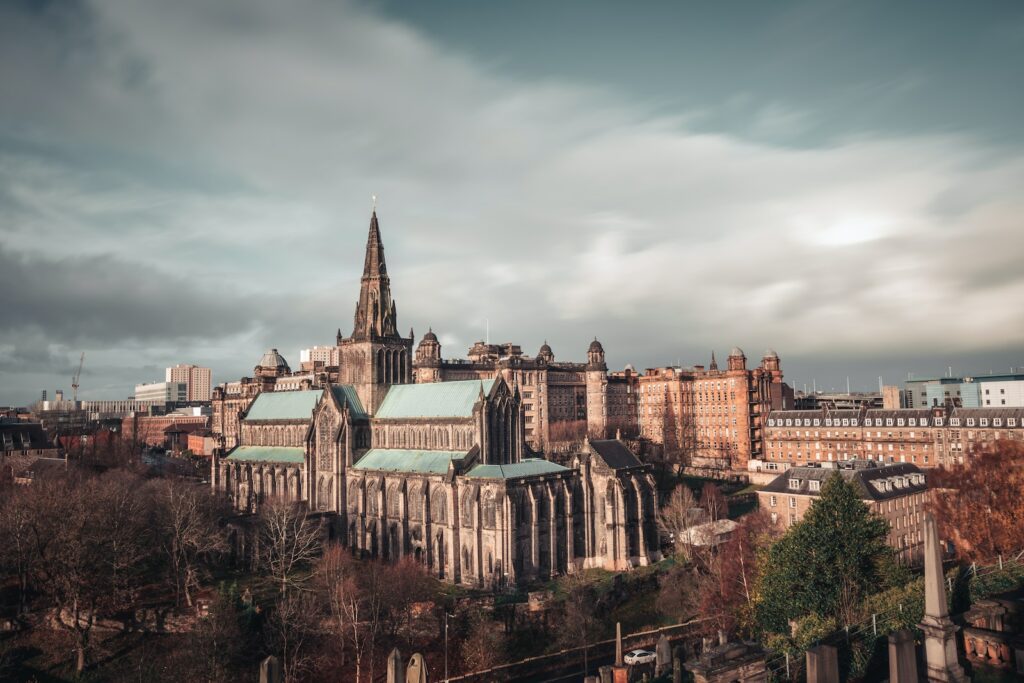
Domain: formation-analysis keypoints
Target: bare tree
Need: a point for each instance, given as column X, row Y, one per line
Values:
column 676, row 517
column 293, row 627
column 189, row 530
column 16, row 539
column 92, row 542
column 713, row 502
column 354, row 596
column 289, row 541
column 580, row 626
column 485, row 645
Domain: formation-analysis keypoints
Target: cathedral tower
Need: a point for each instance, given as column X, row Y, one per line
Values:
column 375, row 356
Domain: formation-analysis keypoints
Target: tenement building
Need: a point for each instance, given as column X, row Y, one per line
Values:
column 711, row 415
column 927, row 437
column 898, row 493
column 439, row 470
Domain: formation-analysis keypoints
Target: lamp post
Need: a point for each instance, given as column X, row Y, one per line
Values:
column 446, row 615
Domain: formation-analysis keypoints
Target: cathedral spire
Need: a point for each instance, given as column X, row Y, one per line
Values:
column 374, row 265
column 714, row 363
column 376, row 315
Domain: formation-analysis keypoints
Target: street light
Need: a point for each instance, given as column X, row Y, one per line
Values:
column 446, row 615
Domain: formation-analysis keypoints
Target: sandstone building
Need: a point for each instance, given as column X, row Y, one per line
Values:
column 927, row 437
column 562, row 401
column 712, row 415
column 439, row 470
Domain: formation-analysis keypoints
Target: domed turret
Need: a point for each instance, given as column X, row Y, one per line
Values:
column 595, row 355
column 429, row 350
column 545, row 353
column 272, row 364
column 737, row 359
column 770, row 362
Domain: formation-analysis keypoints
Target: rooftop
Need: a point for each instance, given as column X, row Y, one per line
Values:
column 284, row 405
column 872, row 481
column 439, row 399
column 407, row 460
column 286, row 454
column 529, row 467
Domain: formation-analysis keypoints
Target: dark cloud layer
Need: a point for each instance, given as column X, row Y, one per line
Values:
column 190, row 182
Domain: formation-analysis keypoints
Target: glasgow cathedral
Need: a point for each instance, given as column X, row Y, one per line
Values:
column 435, row 469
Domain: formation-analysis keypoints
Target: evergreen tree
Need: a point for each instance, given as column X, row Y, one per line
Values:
column 826, row 563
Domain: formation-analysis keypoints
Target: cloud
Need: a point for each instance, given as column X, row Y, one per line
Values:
column 199, row 175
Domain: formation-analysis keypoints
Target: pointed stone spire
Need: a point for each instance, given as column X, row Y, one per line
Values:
column 714, row 363
column 376, row 315
column 939, row 630
column 374, row 264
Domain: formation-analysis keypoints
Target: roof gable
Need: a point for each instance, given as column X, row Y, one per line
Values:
column 437, row 399
column 614, row 454
column 284, row 405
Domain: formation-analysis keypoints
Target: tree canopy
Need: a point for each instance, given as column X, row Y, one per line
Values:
column 826, row 563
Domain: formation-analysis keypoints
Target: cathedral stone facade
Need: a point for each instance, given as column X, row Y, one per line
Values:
column 438, row 470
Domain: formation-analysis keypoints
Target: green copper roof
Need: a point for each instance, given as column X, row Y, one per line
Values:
column 284, row 405
column 346, row 393
column 403, row 460
column 438, row 399
column 268, row 454
column 529, row 467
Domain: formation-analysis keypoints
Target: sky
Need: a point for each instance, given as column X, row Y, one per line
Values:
column 192, row 182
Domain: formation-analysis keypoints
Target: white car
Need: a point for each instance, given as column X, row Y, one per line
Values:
column 639, row 657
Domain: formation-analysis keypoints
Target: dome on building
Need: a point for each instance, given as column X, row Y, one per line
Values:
column 770, row 353
column 736, row 351
column 545, row 350
column 272, row 360
column 630, row 368
column 429, row 336
column 595, row 347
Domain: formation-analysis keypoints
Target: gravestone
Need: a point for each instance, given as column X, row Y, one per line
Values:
column 664, row 653
column 396, row 667
column 417, row 671
column 678, row 657
column 270, row 670
column 822, row 664
column 902, row 657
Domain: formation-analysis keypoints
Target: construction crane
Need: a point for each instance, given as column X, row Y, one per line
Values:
column 74, row 380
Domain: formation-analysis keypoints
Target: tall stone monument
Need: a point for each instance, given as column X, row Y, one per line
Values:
column 941, row 663
column 396, row 667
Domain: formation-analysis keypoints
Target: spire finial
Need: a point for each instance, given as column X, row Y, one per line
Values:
column 374, row 197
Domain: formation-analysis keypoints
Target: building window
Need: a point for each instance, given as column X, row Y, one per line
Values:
column 772, row 501
column 794, row 483
column 792, row 502
column 814, row 485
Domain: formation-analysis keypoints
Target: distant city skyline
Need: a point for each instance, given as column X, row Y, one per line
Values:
column 188, row 183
